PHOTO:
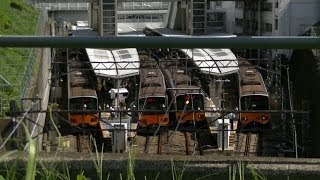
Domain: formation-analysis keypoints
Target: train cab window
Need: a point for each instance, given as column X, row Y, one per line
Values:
column 194, row 101
column 83, row 104
column 152, row 103
column 254, row 102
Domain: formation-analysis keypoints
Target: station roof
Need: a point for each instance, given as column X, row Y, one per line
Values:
column 121, row 90
column 210, row 61
column 116, row 63
column 214, row 61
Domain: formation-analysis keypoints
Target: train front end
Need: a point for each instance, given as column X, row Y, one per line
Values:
column 257, row 119
column 190, row 109
column 153, row 113
column 78, row 104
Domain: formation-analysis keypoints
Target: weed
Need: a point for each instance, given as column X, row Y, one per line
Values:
column 16, row 5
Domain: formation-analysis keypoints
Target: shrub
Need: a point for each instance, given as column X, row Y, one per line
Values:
column 16, row 5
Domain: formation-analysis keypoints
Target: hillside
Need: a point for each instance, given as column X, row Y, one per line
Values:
column 16, row 18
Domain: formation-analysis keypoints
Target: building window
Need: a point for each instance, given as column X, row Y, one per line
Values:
column 238, row 22
column 219, row 3
column 268, row 27
column 267, row 6
column 239, row 4
column 275, row 24
column 277, row 5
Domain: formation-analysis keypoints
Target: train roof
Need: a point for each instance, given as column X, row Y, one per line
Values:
column 151, row 81
column 117, row 63
column 82, row 28
column 82, row 92
column 177, row 33
column 210, row 61
column 251, row 81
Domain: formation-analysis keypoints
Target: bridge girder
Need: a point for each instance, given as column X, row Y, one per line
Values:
column 90, row 1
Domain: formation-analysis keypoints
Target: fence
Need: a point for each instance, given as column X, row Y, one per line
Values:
column 64, row 6
column 315, row 31
column 23, row 83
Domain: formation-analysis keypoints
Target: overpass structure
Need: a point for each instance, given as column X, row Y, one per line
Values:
column 186, row 15
column 92, row 1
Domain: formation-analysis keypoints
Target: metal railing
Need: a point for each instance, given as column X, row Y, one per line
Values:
column 261, row 42
column 315, row 31
column 23, row 74
column 159, row 42
column 32, row 56
column 64, row 6
column 144, row 6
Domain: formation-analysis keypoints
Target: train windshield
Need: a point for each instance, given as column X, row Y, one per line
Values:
column 191, row 101
column 254, row 102
column 83, row 103
column 152, row 103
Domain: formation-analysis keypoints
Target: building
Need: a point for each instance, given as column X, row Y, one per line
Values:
column 268, row 17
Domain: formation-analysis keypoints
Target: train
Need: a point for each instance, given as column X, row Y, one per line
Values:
column 152, row 96
column 188, row 96
column 81, row 91
column 189, row 100
column 253, row 95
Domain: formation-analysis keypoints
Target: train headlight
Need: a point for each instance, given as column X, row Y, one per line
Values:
column 244, row 119
column 201, row 116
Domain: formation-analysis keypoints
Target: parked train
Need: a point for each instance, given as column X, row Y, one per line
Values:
column 253, row 95
column 152, row 95
column 189, row 100
column 81, row 92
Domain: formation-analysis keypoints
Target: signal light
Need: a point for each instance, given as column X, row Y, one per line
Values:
column 187, row 97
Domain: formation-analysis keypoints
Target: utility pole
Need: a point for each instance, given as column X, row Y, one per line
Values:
column 221, row 90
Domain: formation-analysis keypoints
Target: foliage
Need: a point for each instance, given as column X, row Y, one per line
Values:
column 16, row 18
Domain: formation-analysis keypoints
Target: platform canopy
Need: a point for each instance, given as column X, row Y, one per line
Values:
column 115, row 63
column 214, row 61
column 217, row 62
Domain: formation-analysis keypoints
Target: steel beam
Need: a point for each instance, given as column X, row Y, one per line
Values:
column 84, row 1
column 257, row 42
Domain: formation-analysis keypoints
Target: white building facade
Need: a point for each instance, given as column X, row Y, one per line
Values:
column 270, row 17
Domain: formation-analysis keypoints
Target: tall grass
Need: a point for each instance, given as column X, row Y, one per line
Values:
column 177, row 174
column 130, row 166
column 98, row 160
column 237, row 171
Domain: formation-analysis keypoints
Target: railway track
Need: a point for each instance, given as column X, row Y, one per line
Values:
column 84, row 143
column 170, row 142
column 248, row 144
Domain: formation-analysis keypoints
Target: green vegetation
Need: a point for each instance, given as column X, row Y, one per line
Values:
column 16, row 18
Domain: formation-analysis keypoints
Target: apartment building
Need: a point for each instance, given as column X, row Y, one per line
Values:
column 268, row 17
